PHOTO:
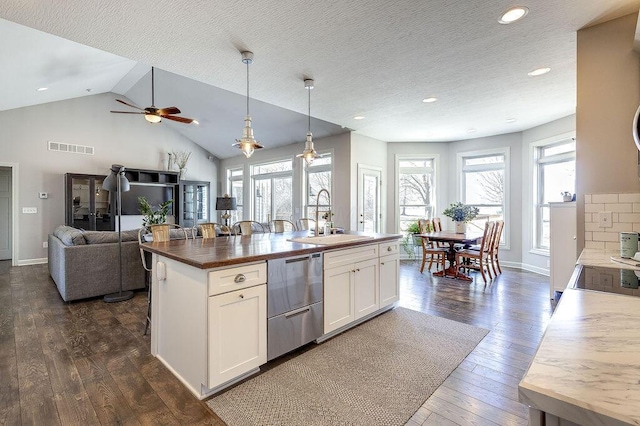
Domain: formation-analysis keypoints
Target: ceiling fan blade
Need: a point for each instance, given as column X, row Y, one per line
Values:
column 129, row 105
column 168, row 110
column 127, row 112
column 179, row 119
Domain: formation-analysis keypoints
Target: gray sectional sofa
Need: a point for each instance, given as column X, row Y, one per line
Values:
column 85, row 263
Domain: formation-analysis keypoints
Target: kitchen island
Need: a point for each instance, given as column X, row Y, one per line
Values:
column 586, row 369
column 209, row 298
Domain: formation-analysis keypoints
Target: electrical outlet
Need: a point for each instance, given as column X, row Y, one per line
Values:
column 29, row 210
column 45, row 244
column 604, row 220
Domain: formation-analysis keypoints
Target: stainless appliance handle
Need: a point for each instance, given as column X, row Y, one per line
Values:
column 299, row 259
column 298, row 312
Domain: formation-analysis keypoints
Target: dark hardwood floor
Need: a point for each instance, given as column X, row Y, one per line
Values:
column 87, row 362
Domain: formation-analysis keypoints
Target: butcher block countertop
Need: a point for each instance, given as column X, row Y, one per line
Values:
column 234, row 250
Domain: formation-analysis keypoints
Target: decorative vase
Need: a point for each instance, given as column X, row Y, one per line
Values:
column 461, row 227
column 183, row 173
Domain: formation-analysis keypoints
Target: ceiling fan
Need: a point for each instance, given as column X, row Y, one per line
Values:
column 153, row 114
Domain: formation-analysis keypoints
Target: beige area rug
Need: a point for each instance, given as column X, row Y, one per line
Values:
column 378, row 373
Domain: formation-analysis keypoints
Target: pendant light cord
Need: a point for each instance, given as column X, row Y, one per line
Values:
column 309, row 115
column 247, row 88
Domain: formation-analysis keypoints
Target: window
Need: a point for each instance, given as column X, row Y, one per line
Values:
column 272, row 191
column 234, row 189
column 317, row 176
column 555, row 172
column 484, row 185
column 416, row 190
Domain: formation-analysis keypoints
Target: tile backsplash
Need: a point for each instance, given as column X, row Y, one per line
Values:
column 625, row 215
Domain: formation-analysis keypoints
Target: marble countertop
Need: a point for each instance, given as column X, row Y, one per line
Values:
column 602, row 259
column 587, row 367
column 234, row 250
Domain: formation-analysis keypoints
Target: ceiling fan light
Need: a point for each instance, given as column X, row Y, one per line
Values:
column 152, row 118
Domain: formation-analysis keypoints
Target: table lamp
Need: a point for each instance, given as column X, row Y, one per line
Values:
column 226, row 203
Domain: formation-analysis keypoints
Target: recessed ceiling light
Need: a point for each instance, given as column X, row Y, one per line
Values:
column 472, row 130
column 359, row 117
column 514, row 14
column 42, row 89
column 538, row 71
column 429, row 100
column 510, row 120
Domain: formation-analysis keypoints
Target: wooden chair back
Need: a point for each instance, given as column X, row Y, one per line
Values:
column 305, row 224
column 281, row 225
column 208, row 230
column 437, row 224
column 159, row 233
column 248, row 227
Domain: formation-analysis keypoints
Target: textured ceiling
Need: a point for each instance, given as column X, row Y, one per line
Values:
column 373, row 58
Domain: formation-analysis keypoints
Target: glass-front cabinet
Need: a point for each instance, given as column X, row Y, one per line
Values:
column 192, row 203
column 87, row 204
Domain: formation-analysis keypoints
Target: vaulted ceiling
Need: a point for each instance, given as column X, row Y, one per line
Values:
column 373, row 58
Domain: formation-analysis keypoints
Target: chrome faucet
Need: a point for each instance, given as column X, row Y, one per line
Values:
column 318, row 210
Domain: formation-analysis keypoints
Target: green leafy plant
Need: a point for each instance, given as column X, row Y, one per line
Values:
column 151, row 215
column 460, row 212
column 409, row 241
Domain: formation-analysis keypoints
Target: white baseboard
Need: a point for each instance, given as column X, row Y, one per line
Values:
column 525, row 267
column 26, row 262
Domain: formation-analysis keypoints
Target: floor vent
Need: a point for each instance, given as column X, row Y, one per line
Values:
column 67, row 147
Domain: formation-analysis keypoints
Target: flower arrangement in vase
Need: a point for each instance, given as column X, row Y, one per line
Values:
column 180, row 158
column 461, row 214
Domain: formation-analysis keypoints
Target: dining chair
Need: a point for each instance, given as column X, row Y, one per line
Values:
column 430, row 249
column 248, row 227
column 281, row 225
column 160, row 233
column 436, row 223
column 478, row 260
column 493, row 255
column 305, row 224
column 206, row 230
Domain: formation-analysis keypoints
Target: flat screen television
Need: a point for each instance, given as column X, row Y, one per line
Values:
column 155, row 194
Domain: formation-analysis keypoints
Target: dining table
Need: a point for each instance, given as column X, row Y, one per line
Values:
column 454, row 239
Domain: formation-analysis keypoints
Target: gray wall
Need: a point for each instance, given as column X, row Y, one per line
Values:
column 117, row 138
column 608, row 95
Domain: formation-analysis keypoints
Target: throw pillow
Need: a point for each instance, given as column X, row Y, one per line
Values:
column 69, row 236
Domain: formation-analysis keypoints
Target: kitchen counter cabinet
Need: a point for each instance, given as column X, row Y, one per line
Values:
column 389, row 273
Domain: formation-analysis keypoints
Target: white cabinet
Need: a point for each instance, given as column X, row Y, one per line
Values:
column 351, row 287
column 389, row 279
column 237, row 333
column 563, row 245
column 209, row 327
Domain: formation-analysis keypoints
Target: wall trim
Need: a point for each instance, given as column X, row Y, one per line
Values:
column 526, row 267
column 27, row 262
column 14, row 213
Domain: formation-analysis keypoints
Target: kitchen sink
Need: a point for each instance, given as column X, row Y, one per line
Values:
column 331, row 239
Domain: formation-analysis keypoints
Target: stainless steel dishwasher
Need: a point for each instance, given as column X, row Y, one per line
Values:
column 294, row 303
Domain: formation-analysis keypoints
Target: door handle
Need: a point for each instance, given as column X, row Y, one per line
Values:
column 240, row 278
column 296, row 313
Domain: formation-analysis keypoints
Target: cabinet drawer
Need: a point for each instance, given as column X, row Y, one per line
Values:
column 230, row 279
column 389, row 248
column 350, row 255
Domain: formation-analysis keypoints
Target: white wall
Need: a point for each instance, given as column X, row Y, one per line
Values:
column 339, row 146
column 117, row 138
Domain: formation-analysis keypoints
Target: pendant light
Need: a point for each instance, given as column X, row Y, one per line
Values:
column 248, row 143
column 309, row 154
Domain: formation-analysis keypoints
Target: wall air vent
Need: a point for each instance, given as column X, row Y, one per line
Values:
column 67, row 147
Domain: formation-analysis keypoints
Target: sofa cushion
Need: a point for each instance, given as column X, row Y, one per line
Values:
column 69, row 236
column 101, row 237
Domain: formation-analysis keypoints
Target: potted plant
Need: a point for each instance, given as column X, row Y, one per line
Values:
column 153, row 216
column 461, row 214
column 409, row 241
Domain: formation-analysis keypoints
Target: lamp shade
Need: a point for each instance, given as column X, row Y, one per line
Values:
column 226, row 203
column 111, row 183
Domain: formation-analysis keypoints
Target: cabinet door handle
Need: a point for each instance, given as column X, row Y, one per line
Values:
column 389, row 248
column 382, row 263
column 241, row 296
column 357, row 269
column 240, row 278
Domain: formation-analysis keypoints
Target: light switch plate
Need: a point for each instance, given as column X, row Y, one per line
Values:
column 30, row 210
column 605, row 219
